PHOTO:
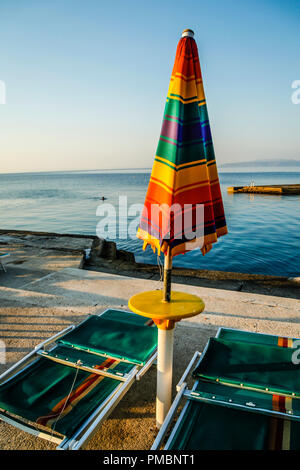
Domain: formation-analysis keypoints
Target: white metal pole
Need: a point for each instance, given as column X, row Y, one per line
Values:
column 164, row 374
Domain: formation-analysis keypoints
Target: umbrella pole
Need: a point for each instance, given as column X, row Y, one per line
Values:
column 165, row 352
column 167, row 276
column 164, row 374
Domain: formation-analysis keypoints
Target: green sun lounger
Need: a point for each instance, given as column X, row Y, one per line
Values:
column 64, row 389
column 2, row 256
column 246, row 396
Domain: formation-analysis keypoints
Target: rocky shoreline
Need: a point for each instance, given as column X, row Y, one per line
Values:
column 101, row 255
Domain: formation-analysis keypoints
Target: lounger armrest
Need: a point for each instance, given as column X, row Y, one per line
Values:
column 181, row 389
column 84, row 434
column 195, row 357
column 168, row 420
column 147, row 366
column 54, row 337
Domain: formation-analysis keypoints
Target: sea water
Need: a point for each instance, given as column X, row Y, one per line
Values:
column 264, row 230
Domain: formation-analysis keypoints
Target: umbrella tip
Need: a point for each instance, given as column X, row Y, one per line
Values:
column 187, row 33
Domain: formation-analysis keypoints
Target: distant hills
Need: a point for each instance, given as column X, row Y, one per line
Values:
column 267, row 163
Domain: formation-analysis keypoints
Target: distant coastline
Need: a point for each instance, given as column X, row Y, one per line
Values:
column 265, row 164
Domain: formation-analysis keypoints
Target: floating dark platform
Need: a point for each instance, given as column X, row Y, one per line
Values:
column 281, row 189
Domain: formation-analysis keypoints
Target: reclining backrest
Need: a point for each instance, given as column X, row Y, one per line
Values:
column 119, row 339
column 256, row 338
column 256, row 366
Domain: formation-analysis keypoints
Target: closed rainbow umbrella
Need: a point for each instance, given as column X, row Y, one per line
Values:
column 183, row 209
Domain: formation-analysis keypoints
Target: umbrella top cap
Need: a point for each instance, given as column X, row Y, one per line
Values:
column 187, row 33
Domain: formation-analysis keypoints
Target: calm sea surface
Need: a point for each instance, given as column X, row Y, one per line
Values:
column 264, row 231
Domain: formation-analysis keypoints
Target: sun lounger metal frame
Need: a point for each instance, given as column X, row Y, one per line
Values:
column 183, row 392
column 91, row 424
column 4, row 255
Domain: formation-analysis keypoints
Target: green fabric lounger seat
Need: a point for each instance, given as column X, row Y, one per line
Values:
column 212, row 427
column 222, row 413
column 63, row 388
column 40, row 392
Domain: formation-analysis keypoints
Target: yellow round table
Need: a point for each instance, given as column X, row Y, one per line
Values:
column 165, row 314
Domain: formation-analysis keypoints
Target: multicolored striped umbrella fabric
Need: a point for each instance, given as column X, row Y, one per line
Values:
column 184, row 173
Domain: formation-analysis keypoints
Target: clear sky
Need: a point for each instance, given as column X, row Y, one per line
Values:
column 86, row 81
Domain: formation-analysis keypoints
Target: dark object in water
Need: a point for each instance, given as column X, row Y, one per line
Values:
column 103, row 198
